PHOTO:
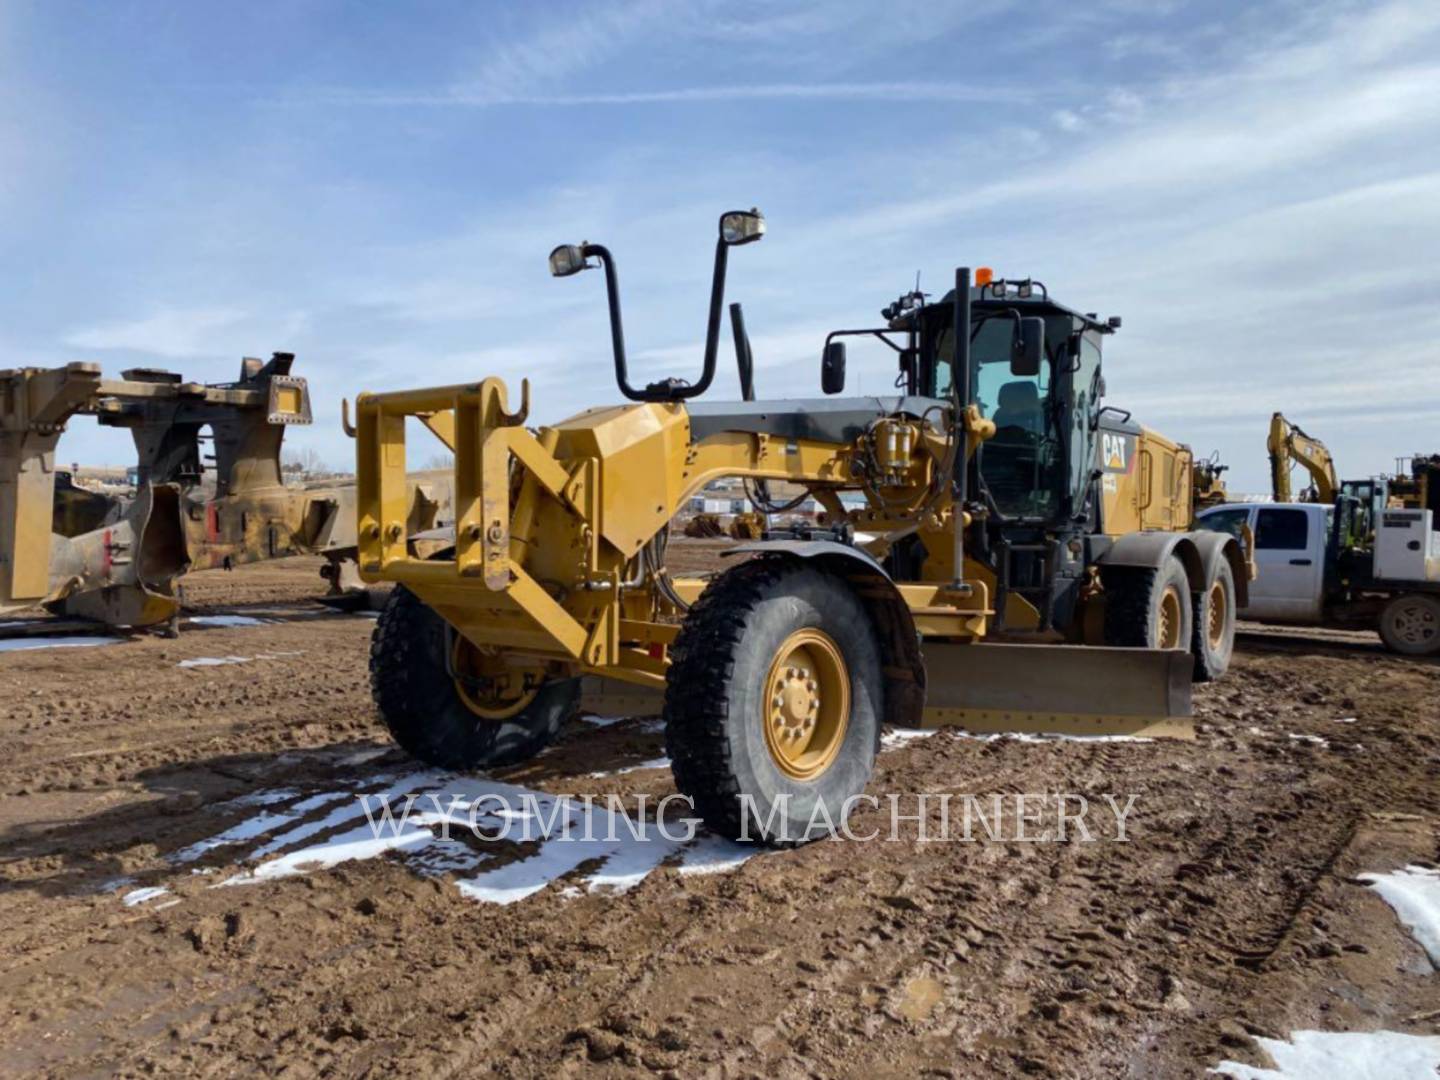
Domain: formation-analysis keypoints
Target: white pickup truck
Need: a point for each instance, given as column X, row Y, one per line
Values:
column 1306, row 576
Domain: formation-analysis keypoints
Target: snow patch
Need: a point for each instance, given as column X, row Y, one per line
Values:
column 526, row 840
column 362, row 757
column 602, row 721
column 653, row 763
column 1354, row 1055
column 1414, row 893
column 1313, row 740
column 892, row 740
column 895, row 739
column 139, row 896
column 75, row 642
column 1044, row 737
column 229, row 620
column 219, row 661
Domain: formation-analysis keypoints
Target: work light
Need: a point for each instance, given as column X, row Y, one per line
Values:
column 568, row 259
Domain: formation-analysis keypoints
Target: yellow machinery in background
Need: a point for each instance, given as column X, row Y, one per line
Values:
column 209, row 492
column 1289, row 446
column 1030, row 565
column 747, row 526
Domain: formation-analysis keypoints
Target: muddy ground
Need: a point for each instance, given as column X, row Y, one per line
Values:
column 1232, row 910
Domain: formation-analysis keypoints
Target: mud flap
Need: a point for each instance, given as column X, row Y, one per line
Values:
column 1040, row 689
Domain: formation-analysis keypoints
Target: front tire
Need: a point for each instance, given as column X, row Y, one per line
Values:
column 1410, row 625
column 448, row 705
column 1213, row 637
column 1148, row 608
column 773, row 702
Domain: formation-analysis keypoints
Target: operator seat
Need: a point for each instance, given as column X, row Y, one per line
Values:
column 1019, row 407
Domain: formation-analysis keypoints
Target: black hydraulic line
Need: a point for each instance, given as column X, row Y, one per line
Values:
column 960, row 392
column 744, row 358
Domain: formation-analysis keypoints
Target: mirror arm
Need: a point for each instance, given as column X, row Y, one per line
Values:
column 617, row 329
column 712, row 328
column 660, row 391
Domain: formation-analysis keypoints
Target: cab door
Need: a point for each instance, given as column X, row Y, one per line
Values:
column 1290, row 564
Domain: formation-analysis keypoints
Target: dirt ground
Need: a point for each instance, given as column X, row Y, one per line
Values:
column 1233, row 910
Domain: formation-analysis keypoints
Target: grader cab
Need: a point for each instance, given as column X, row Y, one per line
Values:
column 1028, row 563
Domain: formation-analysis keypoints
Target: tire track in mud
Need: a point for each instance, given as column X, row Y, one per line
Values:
column 1088, row 960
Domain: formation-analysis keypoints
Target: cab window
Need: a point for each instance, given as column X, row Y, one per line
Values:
column 1282, row 530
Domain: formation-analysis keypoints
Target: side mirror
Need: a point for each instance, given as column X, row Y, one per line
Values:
column 832, row 368
column 1027, row 351
column 741, row 227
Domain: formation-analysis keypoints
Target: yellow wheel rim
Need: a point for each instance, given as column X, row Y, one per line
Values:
column 1219, row 613
column 1170, row 618
column 489, row 687
column 807, row 704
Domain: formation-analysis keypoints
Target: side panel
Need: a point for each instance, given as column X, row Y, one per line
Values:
column 1145, row 479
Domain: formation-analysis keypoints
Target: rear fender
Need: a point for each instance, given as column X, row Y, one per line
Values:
column 1215, row 546
column 904, row 668
column 1150, row 550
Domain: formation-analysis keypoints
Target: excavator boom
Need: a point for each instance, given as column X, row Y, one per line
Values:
column 1288, row 446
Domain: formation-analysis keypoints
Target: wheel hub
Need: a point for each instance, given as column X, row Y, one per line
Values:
column 1215, row 630
column 1415, row 624
column 489, row 687
column 1168, row 628
column 807, row 704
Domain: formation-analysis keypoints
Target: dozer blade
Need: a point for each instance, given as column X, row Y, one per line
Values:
column 1032, row 689
column 1059, row 689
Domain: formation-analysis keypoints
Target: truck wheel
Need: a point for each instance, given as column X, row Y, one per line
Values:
column 1147, row 608
column 1410, row 624
column 450, row 705
column 1213, row 639
column 773, row 702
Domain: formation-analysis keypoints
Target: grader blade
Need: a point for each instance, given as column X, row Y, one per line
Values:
column 1059, row 690
column 1022, row 689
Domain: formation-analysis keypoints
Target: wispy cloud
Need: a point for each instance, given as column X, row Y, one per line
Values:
column 915, row 92
column 1256, row 188
column 179, row 334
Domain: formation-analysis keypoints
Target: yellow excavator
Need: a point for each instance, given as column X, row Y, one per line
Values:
column 1290, row 446
column 1012, row 553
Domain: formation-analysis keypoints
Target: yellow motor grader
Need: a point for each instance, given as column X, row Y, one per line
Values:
column 1027, row 562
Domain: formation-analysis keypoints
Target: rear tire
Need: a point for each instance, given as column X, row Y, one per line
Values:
column 1213, row 638
column 1410, row 625
column 421, row 702
column 775, row 694
column 1147, row 608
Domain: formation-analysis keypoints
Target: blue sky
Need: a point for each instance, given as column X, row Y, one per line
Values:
column 1255, row 187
